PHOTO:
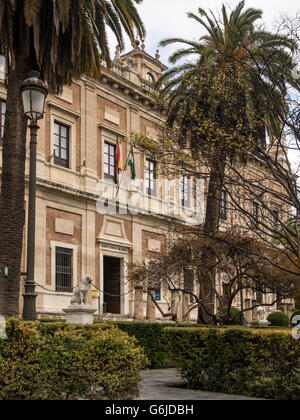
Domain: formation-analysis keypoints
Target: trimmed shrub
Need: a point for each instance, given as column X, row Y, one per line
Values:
column 149, row 335
column 59, row 361
column 153, row 340
column 257, row 363
column 235, row 316
column 278, row 319
column 296, row 313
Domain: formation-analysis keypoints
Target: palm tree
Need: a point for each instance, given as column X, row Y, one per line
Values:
column 62, row 39
column 228, row 97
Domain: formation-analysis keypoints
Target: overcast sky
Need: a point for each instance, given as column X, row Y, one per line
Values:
column 168, row 18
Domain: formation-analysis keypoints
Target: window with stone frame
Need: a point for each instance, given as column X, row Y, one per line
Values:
column 276, row 215
column 61, row 145
column 226, row 290
column 278, row 301
column 157, row 293
column 150, row 177
column 223, row 205
column 255, row 214
column 110, row 172
column 155, row 286
column 259, row 297
column 185, row 191
column 189, row 284
column 63, row 270
column 2, row 119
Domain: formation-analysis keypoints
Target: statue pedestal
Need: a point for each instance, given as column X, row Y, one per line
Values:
column 263, row 322
column 80, row 314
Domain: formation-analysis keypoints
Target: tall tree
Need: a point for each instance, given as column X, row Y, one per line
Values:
column 62, row 39
column 244, row 264
column 223, row 98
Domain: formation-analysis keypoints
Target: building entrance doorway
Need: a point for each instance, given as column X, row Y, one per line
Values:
column 112, row 285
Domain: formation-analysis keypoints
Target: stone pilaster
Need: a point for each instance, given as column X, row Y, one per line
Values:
column 150, row 306
column 185, row 307
column 175, row 303
column 138, row 303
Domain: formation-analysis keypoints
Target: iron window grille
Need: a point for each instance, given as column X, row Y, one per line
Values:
column 61, row 145
column 64, row 270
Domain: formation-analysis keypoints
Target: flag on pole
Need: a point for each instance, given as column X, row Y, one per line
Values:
column 131, row 163
column 119, row 163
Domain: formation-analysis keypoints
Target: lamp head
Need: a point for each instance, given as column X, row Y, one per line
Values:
column 34, row 93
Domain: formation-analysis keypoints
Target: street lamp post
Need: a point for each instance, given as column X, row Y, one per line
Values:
column 34, row 93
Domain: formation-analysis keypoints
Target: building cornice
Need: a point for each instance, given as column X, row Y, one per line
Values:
column 82, row 195
column 126, row 87
column 135, row 94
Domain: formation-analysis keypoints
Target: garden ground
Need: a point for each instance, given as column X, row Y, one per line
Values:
column 165, row 384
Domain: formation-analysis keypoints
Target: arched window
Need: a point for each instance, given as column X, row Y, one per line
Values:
column 150, row 78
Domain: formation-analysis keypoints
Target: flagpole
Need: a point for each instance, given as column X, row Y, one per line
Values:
column 125, row 168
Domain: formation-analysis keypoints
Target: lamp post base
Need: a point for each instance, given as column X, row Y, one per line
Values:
column 29, row 308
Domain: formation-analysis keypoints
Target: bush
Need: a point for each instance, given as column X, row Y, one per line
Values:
column 296, row 313
column 153, row 340
column 235, row 316
column 151, row 337
column 58, row 361
column 278, row 319
column 262, row 364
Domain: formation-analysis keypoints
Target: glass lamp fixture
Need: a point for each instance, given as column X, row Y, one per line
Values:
column 34, row 93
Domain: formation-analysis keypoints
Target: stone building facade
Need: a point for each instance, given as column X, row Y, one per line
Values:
column 76, row 171
column 76, row 146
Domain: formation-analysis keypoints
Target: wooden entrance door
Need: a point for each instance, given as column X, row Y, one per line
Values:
column 112, row 285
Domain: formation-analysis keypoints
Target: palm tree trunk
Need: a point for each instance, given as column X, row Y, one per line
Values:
column 210, row 229
column 12, row 213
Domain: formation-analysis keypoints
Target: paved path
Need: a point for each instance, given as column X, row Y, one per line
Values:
column 164, row 384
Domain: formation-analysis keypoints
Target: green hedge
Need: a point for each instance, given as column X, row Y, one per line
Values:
column 149, row 335
column 262, row 363
column 279, row 319
column 58, row 361
column 235, row 316
column 152, row 338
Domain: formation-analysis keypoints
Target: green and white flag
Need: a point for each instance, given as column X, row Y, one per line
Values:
column 131, row 163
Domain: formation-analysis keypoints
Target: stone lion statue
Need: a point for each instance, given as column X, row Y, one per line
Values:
column 80, row 292
column 261, row 313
